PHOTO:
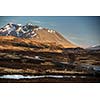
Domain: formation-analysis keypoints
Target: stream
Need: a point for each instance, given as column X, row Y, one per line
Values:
column 38, row 76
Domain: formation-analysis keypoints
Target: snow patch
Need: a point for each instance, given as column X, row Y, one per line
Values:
column 51, row 31
column 36, row 29
column 40, row 28
column 19, row 24
column 37, row 57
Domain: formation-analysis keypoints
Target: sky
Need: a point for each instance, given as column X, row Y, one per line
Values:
column 83, row 31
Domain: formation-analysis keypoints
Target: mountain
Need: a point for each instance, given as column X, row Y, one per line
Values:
column 35, row 33
column 97, row 47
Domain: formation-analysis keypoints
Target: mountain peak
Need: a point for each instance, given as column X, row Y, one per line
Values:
column 11, row 29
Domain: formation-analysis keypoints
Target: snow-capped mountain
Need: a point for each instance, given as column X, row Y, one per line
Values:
column 26, row 31
column 35, row 33
column 96, row 47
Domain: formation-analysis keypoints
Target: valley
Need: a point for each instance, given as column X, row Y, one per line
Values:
column 46, row 53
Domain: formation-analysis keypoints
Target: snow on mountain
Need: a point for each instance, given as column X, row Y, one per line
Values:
column 26, row 31
column 96, row 47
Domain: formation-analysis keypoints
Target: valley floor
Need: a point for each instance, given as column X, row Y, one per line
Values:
column 85, row 68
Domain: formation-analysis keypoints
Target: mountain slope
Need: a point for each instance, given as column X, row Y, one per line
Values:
column 45, row 36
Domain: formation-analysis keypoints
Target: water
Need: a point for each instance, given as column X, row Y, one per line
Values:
column 38, row 76
column 19, row 77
